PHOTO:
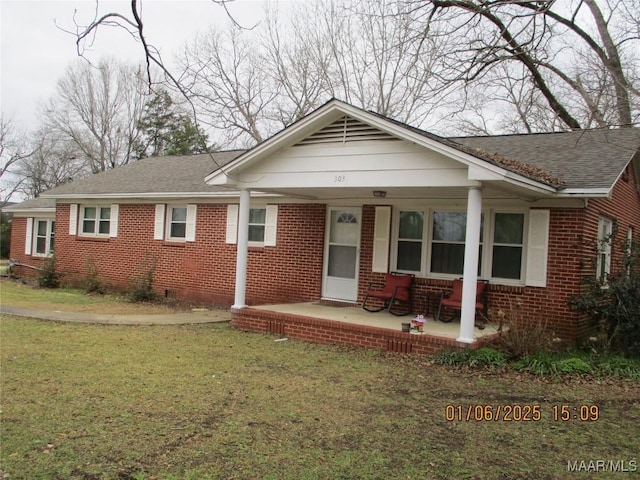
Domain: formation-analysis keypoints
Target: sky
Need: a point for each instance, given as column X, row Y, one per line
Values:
column 35, row 51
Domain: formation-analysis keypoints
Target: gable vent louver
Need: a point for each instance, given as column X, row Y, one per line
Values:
column 345, row 130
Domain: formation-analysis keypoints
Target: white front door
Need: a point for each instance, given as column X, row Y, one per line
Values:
column 341, row 254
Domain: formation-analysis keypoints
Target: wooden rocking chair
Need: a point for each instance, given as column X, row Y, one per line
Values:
column 394, row 294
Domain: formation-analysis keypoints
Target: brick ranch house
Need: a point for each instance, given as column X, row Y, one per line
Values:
column 336, row 200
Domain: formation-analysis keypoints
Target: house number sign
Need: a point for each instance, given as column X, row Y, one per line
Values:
column 339, row 178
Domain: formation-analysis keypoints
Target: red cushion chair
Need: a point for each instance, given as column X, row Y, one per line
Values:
column 394, row 295
column 452, row 299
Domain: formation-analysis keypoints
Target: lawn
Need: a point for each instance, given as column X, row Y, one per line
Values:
column 90, row 402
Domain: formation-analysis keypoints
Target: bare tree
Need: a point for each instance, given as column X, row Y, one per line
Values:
column 56, row 159
column 580, row 57
column 98, row 109
column 13, row 151
column 225, row 76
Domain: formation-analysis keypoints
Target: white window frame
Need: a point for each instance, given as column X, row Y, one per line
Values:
column 605, row 231
column 486, row 241
column 270, row 226
column 170, row 222
column 163, row 222
column 49, row 235
column 258, row 243
column 96, row 220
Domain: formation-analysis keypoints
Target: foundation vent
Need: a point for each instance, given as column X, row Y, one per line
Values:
column 345, row 130
column 399, row 346
column 275, row 327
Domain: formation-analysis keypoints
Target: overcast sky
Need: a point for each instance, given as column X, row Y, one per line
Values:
column 35, row 52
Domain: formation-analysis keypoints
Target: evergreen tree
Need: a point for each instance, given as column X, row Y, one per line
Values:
column 165, row 131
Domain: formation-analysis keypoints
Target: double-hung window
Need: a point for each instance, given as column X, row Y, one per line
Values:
column 43, row 237
column 95, row 220
column 177, row 223
column 410, row 241
column 449, row 230
column 257, row 223
column 508, row 246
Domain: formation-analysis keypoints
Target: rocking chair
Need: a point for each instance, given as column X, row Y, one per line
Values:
column 452, row 299
column 394, row 294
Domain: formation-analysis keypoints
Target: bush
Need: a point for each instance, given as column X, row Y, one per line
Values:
column 49, row 277
column 483, row 357
column 142, row 285
column 573, row 366
column 91, row 282
column 613, row 303
column 518, row 338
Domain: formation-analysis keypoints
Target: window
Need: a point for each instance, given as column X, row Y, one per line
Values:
column 96, row 220
column 447, row 242
column 432, row 242
column 603, row 263
column 410, row 235
column 508, row 242
column 177, row 223
column 257, row 223
column 43, row 237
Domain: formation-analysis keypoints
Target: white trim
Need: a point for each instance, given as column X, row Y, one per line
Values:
column 190, row 234
column 113, row 226
column 47, row 236
column 73, row 219
column 381, row 239
column 232, row 224
column 169, row 222
column 96, row 231
column 271, row 226
column 28, row 240
column 158, row 226
column 537, row 248
column 333, row 110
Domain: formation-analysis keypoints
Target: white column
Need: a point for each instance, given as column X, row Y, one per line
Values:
column 470, row 274
column 242, row 254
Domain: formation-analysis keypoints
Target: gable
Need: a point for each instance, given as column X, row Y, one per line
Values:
column 345, row 130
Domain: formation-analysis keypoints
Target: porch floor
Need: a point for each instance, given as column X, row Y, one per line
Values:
column 358, row 316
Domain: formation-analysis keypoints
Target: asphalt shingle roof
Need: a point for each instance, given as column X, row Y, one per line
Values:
column 157, row 175
column 580, row 159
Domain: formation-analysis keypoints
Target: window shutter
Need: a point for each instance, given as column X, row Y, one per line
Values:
column 73, row 219
column 113, row 220
column 381, row 232
column 190, row 235
column 537, row 248
column 271, row 226
column 232, row 224
column 158, row 227
column 28, row 239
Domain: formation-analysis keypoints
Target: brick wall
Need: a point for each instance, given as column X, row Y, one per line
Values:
column 18, row 236
column 203, row 270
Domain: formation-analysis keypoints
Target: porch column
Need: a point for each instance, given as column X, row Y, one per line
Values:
column 470, row 273
column 242, row 254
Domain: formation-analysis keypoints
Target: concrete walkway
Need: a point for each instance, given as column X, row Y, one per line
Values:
column 177, row 318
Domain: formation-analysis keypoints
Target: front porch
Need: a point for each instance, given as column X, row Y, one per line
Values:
column 347, row 325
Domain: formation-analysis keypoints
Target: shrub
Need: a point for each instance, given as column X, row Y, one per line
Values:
column 573, row 366
column 91, row 282
column 539, row 363
column 613, row 303
column 487, row 357
column 142, row 284
column 49, row 277
column 518, row 338
column 483, row 357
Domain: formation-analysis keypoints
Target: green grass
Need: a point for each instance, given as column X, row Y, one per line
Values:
column 18, row 294
column 208, row 402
